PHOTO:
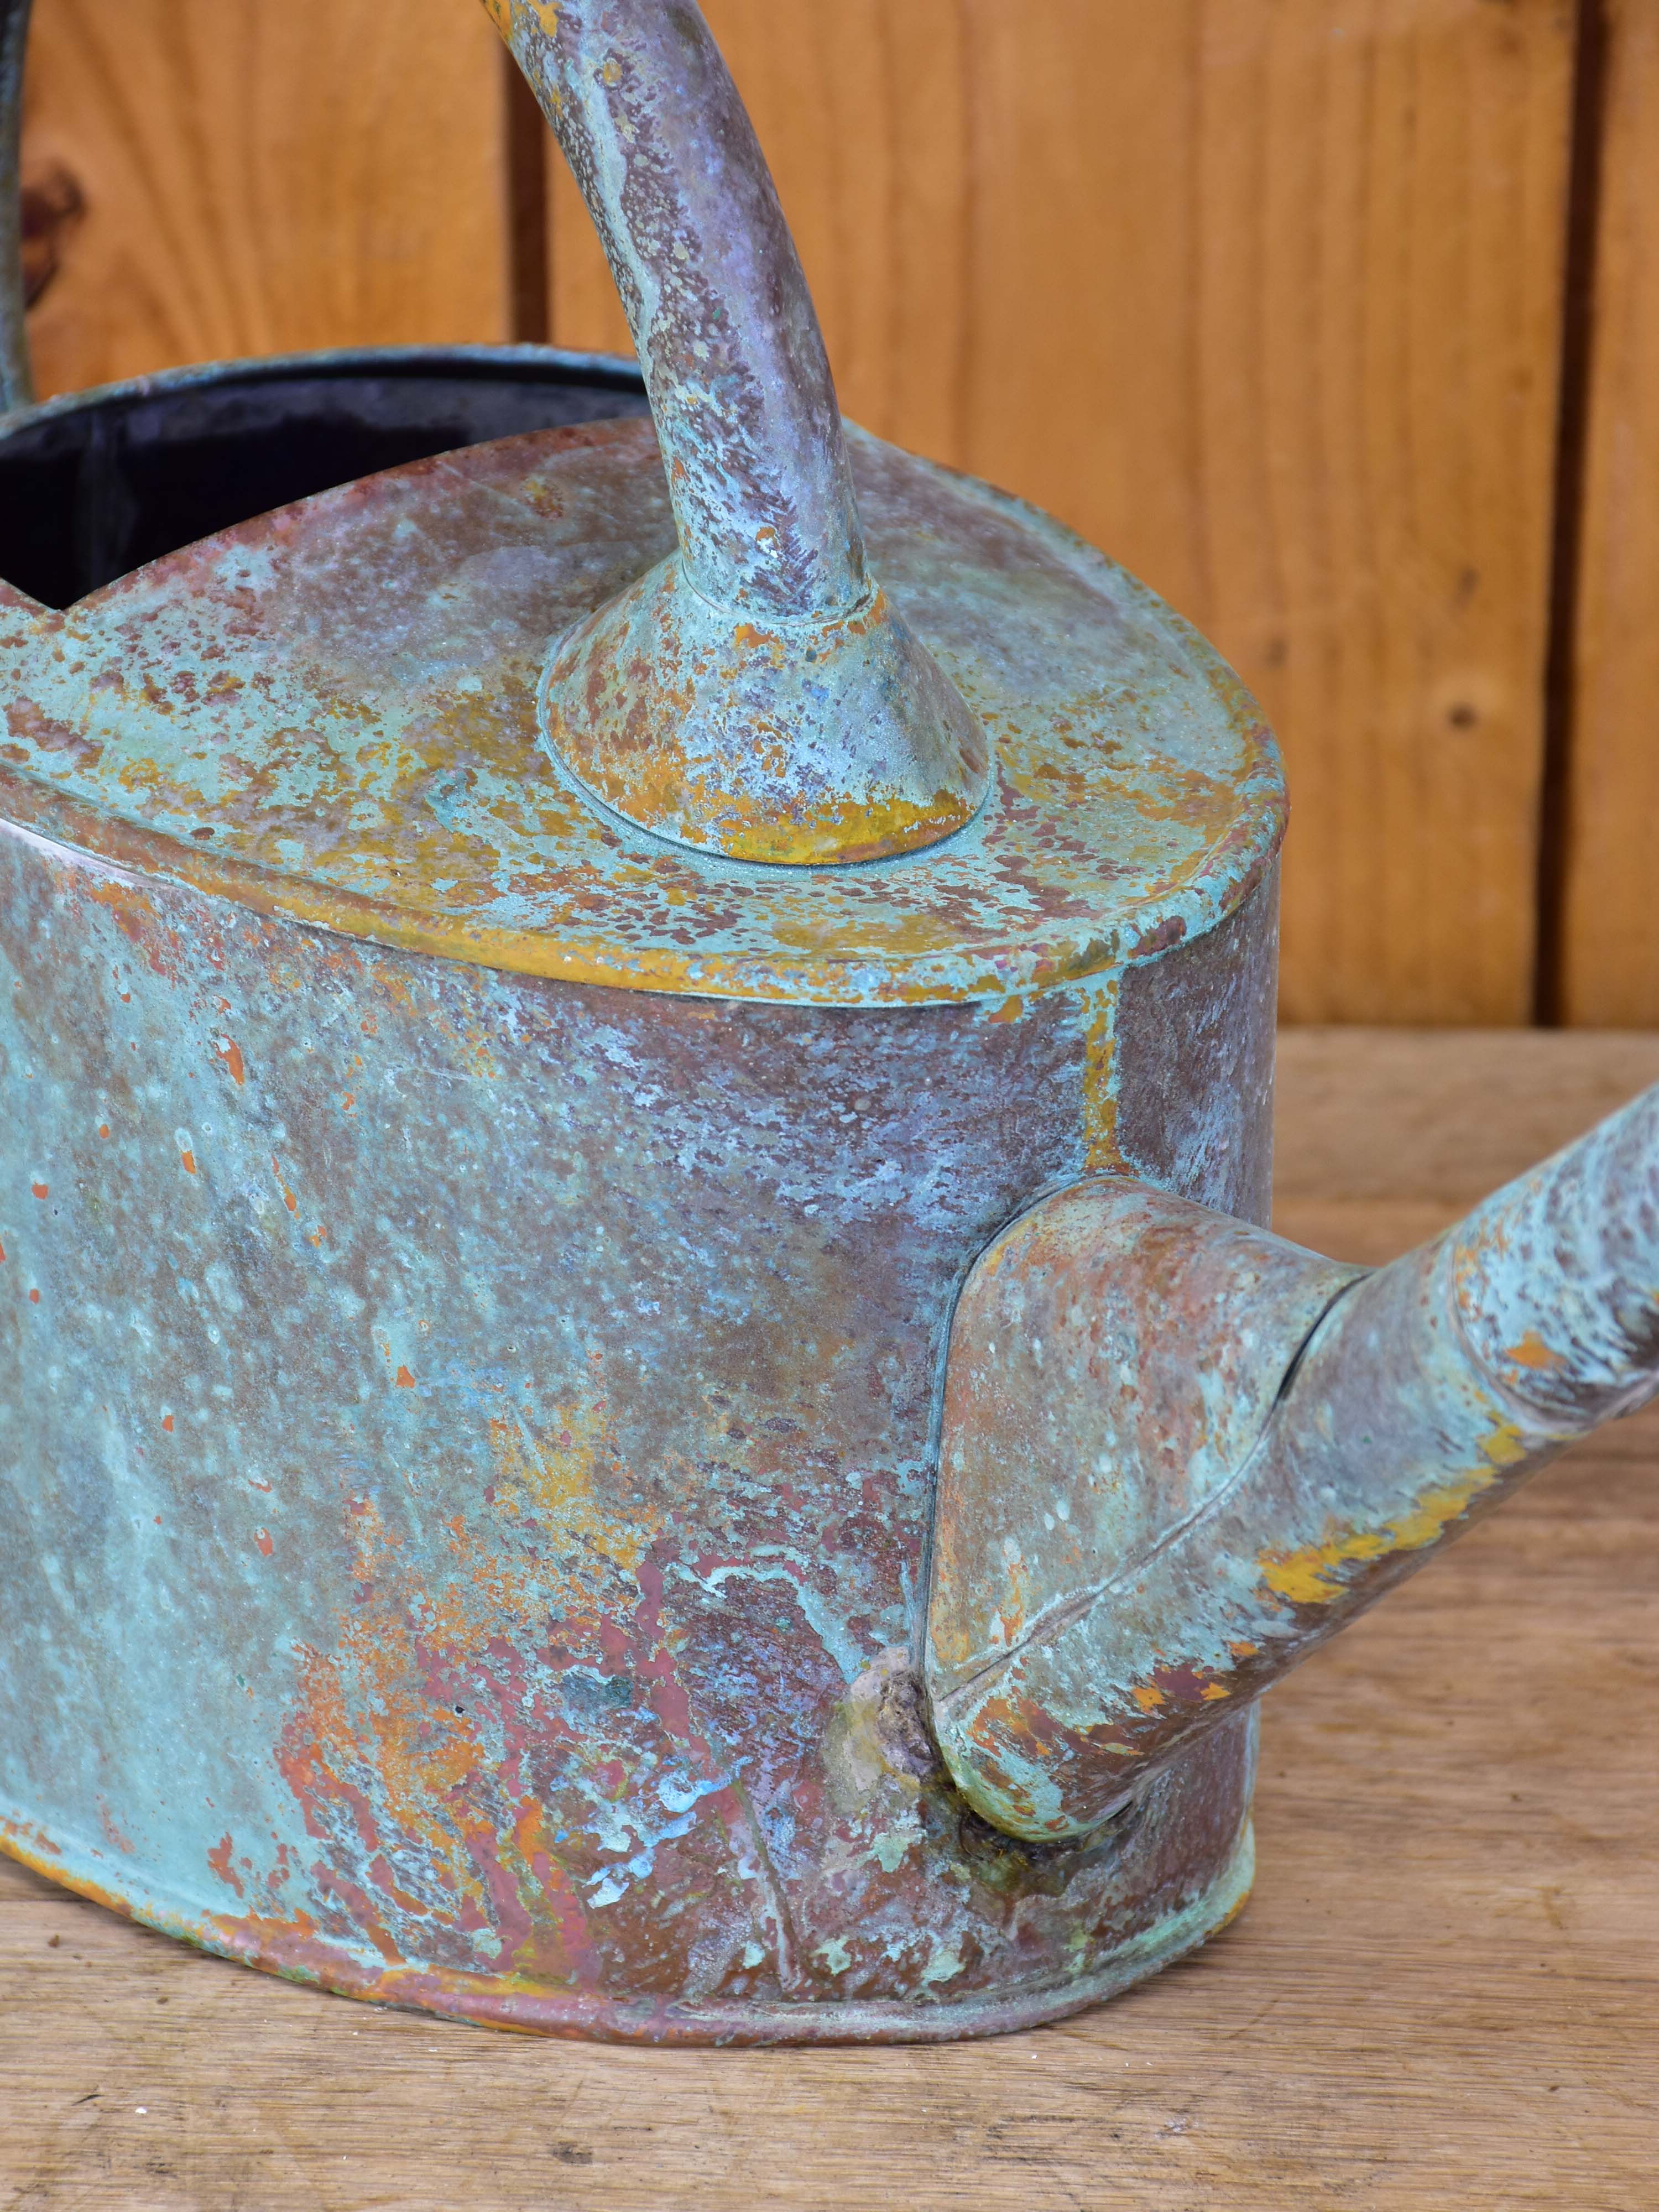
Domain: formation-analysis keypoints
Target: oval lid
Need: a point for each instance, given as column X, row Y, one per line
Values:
column 330, row 712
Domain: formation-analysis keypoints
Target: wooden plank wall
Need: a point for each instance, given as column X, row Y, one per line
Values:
column 1609, row 973
column 1269, row 297
column 262, row 176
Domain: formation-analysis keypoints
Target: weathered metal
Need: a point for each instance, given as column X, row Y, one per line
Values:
column 584, row 1373
column 16, row 389
column 1179, row 1453
column 477, row 1278
column 756, row 692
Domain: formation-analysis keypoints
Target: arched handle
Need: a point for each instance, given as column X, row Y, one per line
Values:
column 758, row 696
column 16, row 386
column 647, row 115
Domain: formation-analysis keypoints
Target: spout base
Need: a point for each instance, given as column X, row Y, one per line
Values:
column 798, row 744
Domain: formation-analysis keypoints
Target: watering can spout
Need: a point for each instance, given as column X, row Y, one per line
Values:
column 1179, row 1454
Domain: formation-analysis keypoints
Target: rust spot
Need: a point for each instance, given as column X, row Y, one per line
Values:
column 39, row 1189
column 188, row 1160
column 219, row 1860
column 231, row 1052
column 103, row 1128
column 34, row 1298
column 405, row 1380
column 262, row 1538
column 166, row 1423
column 1533, row 1351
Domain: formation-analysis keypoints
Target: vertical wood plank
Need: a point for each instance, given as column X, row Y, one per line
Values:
column 266, row 176
column 1609, row 963
column 1266, row 301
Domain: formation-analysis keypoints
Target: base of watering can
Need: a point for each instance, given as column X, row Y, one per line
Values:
column 511, row 2003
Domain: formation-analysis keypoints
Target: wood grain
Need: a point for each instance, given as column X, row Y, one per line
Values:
column 1268, row 302
column 263, row 178
column 1610, row 962
column 1445, row 1990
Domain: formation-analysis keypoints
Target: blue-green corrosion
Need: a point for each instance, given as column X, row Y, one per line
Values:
column 476, row 1280
column 1179, row 1453
column 330, row 713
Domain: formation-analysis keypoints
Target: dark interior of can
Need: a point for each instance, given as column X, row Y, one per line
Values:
column 89, row 493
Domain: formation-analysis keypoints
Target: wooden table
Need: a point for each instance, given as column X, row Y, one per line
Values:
column 1444, row 1992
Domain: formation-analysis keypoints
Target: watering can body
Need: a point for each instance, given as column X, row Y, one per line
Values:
column 598, row 1031
column 470, row 1430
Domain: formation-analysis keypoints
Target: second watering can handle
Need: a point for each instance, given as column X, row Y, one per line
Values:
column 15, row 388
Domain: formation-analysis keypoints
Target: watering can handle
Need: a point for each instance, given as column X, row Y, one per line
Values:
column 16, row 389
column 767, row 622
column 646, row 114
column 670, row 166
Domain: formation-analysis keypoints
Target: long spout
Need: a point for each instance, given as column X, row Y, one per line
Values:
column 1179, row 1454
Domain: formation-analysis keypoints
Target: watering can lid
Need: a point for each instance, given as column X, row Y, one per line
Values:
column 330, row 712
column 819, row 721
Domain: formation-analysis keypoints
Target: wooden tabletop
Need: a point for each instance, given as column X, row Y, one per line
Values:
column 1445, row 1991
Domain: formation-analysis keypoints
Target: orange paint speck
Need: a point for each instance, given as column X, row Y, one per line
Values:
column 103, row 1128
column 166, row 1423
column 369, row 1029
column 262, row 1538
column 405, row 1380
column 231, row 1052
column 39, row 1189
column 34, row 1298
column 189, row 1160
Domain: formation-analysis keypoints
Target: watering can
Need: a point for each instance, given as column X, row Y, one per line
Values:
column 644, row 1391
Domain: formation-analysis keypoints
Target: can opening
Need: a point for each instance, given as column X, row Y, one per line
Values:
column 90, row 491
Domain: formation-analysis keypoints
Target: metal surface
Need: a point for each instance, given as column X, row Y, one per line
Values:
column 757, row 694
column 330, row 712
column 467, row 1459
column 1179, row 1453
column 16, row 389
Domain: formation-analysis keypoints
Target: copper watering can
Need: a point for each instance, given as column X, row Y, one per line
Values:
column 643, row 1391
